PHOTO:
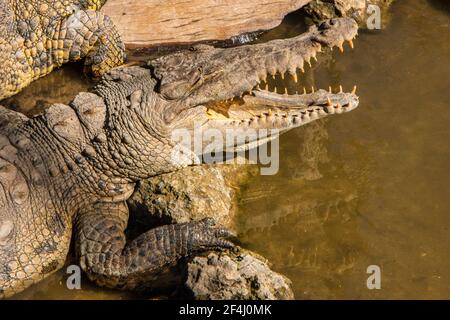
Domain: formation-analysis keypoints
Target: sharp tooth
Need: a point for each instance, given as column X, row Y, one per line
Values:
column 270, row 112
column 341, row 47
column 312, row 89
column 267, row 87
column 273, row 76
column 295, row 77
column 354, row 90
column 282, row 75
column 304, row 90
column 272, row 71
column 300, row 66
column 296, row 92
column 285, row 91
column 340, row 89
column 329, row 101
column 329, row 89
column 351, row 43
column 275, row 90
column 264, row 77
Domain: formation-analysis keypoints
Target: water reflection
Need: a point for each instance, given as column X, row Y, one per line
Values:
column 377, row 194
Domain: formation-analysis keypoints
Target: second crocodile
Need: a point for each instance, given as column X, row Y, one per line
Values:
column 37, row 36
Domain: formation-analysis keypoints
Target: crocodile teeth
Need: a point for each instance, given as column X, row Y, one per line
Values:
column 264, row 77
column 351, row 43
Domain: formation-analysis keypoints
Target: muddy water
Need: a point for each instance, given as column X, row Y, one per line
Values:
column 369, row 187
column 366, row 188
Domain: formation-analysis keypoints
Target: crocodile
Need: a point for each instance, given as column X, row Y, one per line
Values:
column 37, row 36
column 68, row 171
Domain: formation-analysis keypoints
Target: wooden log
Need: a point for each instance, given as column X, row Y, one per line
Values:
column 146, row 23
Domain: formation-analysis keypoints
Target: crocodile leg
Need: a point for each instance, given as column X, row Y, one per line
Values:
column 109, row 260
column 90, row 34
column 84, row 34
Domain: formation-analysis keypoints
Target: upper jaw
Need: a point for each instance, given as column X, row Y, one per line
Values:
column 212, row 74
column 284, row 59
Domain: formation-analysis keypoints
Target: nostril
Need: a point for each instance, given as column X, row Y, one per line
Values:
column 333, row 22
column 6, row 227
column 326, row 25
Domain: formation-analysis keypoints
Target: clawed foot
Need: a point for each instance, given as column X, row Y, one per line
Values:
column 204, row 236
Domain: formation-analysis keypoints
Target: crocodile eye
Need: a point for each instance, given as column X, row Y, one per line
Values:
column 6, row 227
column 174, row 61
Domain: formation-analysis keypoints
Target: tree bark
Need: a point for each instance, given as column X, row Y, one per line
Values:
column 146, row 23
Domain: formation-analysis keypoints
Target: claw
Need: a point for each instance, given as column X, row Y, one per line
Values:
column 225, row 244
column 224, row 233
column 205, row 237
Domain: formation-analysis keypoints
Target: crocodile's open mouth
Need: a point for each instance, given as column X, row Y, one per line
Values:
column 258, row 84
column 278, row 99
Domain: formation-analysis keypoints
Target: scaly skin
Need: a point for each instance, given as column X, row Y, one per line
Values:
column 37, row 36
column 76, row 165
